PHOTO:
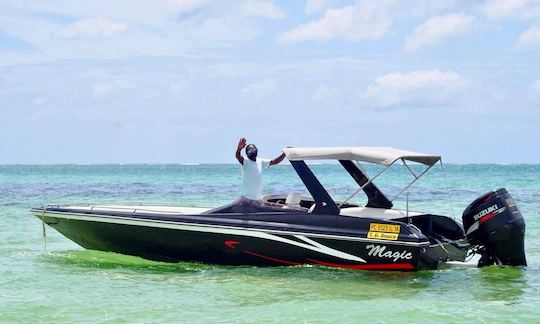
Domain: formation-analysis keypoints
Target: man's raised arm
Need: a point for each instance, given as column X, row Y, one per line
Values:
column 241, row 145
column 278, row 159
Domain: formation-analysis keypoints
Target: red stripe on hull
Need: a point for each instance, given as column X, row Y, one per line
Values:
column 382, row 266
column 232, row 244
column 388, row 266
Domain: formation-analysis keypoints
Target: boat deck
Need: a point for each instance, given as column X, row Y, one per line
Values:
column 150, row 209
column 179, row 210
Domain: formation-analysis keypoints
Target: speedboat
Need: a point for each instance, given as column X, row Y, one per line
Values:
column 291, row 229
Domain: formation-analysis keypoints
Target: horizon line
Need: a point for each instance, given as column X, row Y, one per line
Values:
column 229, row 163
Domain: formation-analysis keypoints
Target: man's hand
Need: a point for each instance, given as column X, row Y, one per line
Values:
column 241, row 143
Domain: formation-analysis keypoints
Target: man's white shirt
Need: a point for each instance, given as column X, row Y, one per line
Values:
column 252, row 177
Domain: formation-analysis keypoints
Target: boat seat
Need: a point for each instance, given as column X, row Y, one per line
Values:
column 293, row 199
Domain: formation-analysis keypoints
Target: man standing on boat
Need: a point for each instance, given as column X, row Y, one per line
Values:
column 252, row 169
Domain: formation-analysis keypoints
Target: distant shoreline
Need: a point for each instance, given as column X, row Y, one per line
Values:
column 224, row 163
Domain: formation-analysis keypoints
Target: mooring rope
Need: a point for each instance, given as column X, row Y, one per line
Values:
column 43, row 231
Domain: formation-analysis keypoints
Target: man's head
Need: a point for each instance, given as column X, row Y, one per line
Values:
column 251, row 152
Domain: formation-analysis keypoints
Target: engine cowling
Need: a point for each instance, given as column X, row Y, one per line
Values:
column 494, row 225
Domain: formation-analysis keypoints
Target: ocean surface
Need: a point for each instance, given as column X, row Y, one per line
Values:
column 54, row 280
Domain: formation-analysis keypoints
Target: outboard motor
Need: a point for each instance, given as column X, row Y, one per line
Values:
column 495, row 227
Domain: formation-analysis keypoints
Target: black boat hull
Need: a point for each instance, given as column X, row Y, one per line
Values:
column 174, row 241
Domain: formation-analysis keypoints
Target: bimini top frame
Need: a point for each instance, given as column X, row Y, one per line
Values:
column 379, row 155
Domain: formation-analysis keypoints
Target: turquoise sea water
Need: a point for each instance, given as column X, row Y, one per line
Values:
column 61, row 282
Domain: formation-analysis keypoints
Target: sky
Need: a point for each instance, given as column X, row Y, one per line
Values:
column 180, row 81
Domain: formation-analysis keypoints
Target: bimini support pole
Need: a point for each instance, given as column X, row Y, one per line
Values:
column 448, row 190
column 365, row 184
column 410, row 184
column 408, row 167
column 407, row 210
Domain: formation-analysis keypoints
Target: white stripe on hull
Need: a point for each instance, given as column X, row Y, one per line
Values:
column 326, row 250
column 219, row 229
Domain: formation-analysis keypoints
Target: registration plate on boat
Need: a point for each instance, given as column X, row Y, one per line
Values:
column 387, row 228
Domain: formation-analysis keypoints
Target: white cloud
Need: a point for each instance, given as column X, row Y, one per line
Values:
column 165, row 27
column 259, row 90
column 261, row 8
column 313, row 6
column 438, row 29
column 496, row 9
column 417, row 87
column 89, row 28
column 529, row 38
column 363, row 21
column 511, row 9
column 180, row 7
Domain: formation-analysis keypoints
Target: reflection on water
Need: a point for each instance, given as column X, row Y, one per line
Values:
column 506, row 284
column 110, row 260
column 306, row 281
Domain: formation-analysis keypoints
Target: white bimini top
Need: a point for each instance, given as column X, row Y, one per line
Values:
column 378, row 155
